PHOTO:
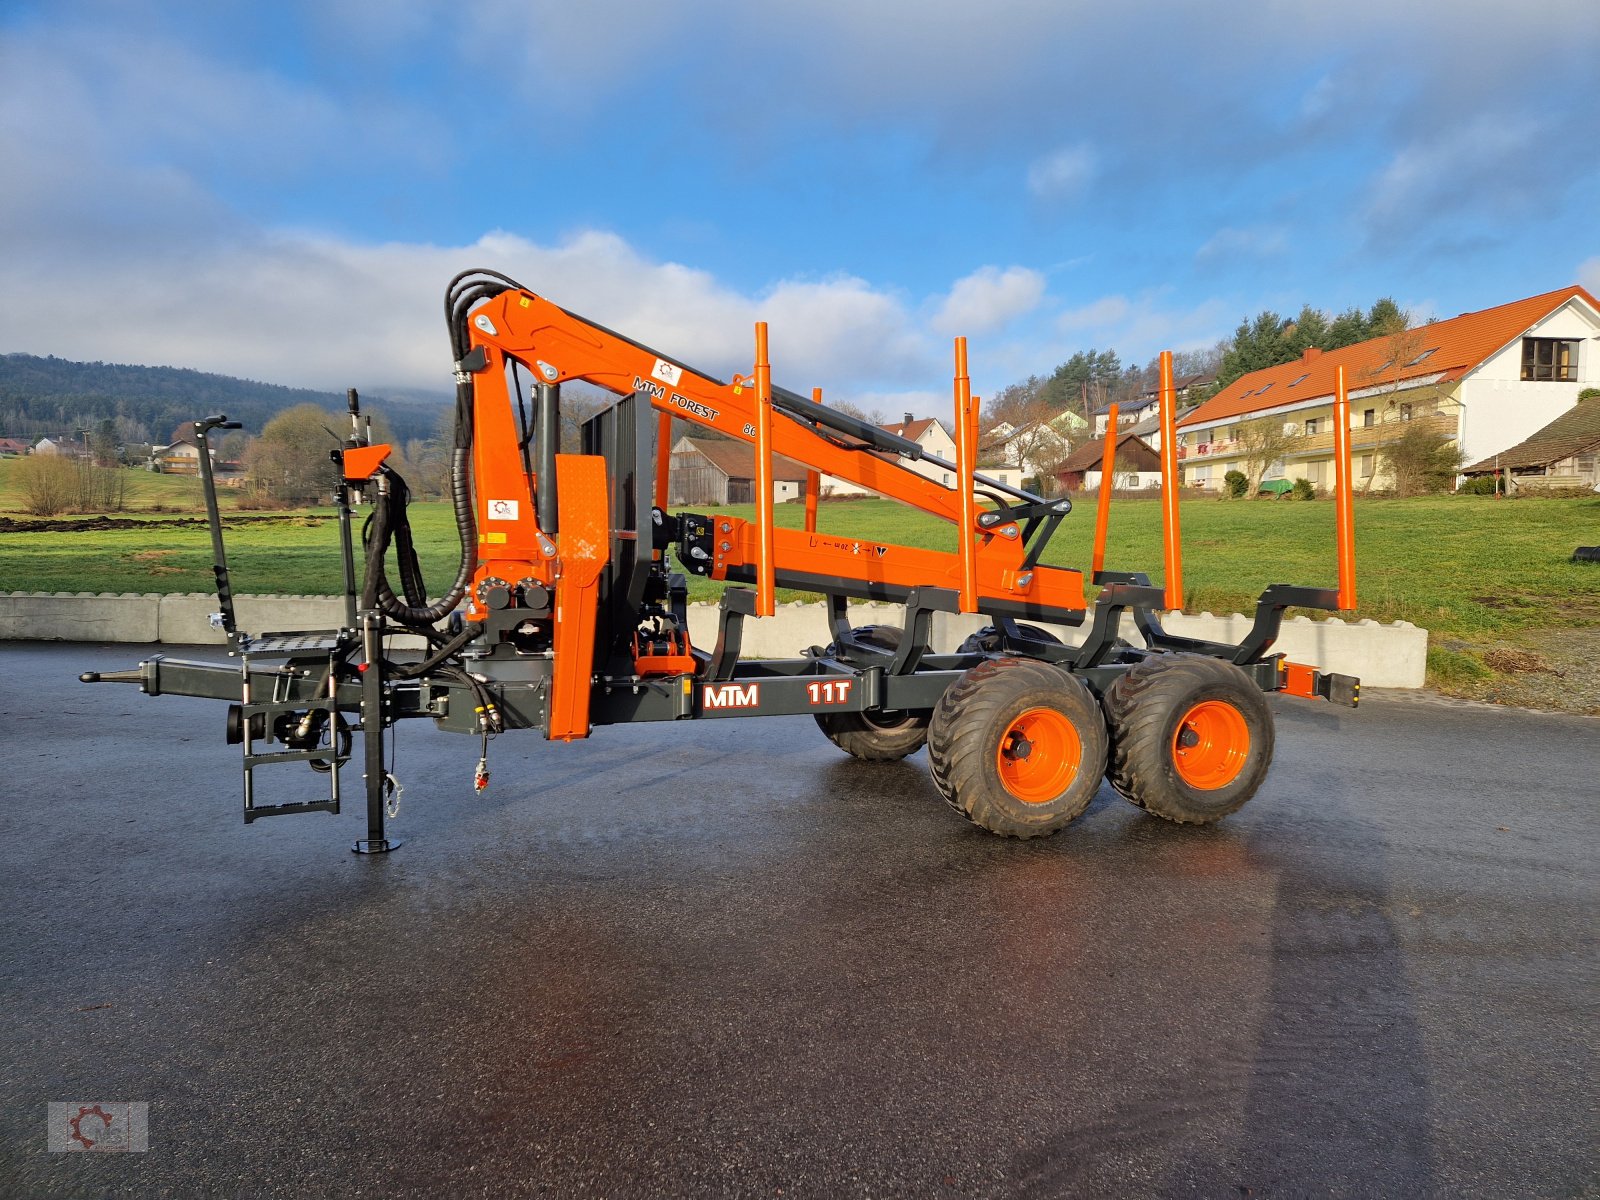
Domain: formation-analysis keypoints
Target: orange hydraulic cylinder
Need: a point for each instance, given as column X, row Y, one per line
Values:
column 1344, row 507
column 1171, row 535
column 966, row 464
column 1102, row 514
column 765, row 587
column 663, row 459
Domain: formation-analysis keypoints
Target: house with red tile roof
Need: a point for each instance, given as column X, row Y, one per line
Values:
column 1485, row 380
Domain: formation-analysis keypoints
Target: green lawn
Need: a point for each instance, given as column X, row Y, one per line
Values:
column 1475, row 571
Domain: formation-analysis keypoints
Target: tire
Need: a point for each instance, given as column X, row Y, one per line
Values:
column 987, row 639
column 887, row 735
column 1017, row 747
column 1191, row 737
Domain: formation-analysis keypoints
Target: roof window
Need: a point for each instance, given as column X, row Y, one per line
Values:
column 1423, row 356
column 1299, row 381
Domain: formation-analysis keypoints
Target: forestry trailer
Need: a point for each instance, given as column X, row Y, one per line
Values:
column 566, row 611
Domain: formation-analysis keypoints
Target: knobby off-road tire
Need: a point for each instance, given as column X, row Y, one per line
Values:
column 1017, row 747
column 882, row 736
column 987, row 641
column 1191, row 737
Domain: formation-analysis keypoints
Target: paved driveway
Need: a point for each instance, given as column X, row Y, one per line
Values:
column 725, row 960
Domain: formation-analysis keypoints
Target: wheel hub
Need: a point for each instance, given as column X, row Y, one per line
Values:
column 1039, row 755
column 1210, row 745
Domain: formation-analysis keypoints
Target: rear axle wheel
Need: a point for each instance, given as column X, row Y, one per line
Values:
column 1191, row 737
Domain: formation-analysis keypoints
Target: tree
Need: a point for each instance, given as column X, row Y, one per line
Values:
column 1386, row 317
column 1083, row 381
column 1348, row 328
column 48, row 483
column 1257, row 344
column 1422, row 461
column 1031, row 441
column 103, row 446
column 1262, row 443
column 289, row 462
column 234, row 445
column 1307, row 331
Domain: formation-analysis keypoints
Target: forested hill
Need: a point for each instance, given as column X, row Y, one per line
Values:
column 55, row 396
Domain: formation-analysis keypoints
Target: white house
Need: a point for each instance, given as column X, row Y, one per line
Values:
column 927, row 433
column 1485, row 380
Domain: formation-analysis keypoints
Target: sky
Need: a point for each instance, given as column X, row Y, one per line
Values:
column 281, row 191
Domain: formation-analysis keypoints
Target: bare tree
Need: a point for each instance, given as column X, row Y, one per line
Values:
column 1263, row 442
column 47, row 483
column 1024, row 424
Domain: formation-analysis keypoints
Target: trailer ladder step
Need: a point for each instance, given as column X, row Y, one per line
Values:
column 280, row 645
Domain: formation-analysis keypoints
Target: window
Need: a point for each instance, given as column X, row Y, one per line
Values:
column 1311, row 426
column 1262, row 390
column 1369, row 418
column 1423, row 357
column 1298, row 382
column 947, row 479
column 1367, row 462
column 1549, row 358
column 1405, row 412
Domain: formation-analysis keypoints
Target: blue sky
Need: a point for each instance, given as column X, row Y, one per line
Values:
column 282, row 190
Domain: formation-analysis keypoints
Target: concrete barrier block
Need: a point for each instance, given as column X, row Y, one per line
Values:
column 84, row 617
column 1394, row 655
column 1381, row 655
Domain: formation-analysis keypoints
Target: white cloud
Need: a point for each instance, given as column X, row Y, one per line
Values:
column 1062, row 174
column 988, row 299
column 1589, row 275
column 312, row 310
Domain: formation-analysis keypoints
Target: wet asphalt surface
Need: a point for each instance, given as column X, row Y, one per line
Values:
column 726, row 960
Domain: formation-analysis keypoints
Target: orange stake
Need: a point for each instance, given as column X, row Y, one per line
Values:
column 1344, row 508
column 1102, row 516
column 813, row 482
column 1170, row 533
column 966, row 464
column 765, row 586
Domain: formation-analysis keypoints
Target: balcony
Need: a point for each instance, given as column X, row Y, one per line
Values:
column 1311, row 445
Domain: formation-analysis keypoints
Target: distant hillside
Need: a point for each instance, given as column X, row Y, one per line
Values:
column 55, row 396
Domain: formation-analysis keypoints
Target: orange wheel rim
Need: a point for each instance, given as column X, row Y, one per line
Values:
column 1038, row 755
column 1211, row 745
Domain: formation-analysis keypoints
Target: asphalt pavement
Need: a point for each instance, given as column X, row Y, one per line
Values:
column 725, row 960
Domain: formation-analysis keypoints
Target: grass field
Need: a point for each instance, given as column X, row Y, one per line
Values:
column 1475, row 571
column 146, row 491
